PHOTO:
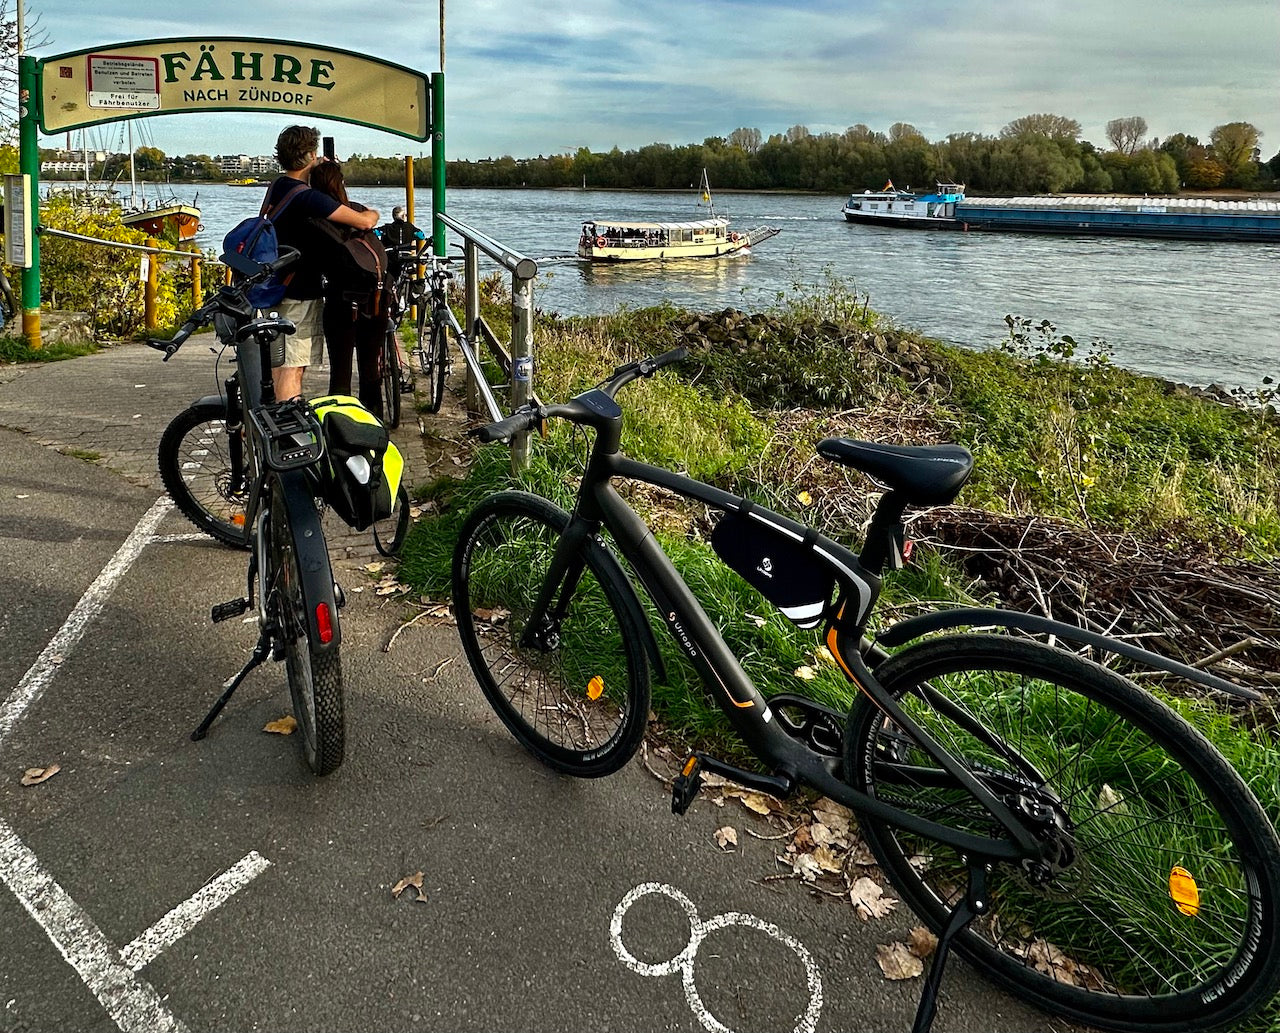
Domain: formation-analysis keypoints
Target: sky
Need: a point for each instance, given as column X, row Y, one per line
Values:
column 531, row 77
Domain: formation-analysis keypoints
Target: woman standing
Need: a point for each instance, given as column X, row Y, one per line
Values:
column 355, row 314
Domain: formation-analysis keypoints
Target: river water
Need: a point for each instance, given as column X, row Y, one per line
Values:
column 1195, row 312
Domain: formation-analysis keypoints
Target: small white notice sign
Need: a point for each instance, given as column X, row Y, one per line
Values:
column 123, row 82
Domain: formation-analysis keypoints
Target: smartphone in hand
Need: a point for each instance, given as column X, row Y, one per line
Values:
column 328, row 148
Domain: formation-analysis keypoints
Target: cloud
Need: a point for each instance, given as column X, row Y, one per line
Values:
column 525, row 79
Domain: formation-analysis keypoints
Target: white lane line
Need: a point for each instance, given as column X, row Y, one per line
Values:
column 131, row 1002
column 90, row 605
column 183, row 918
column 190, row 536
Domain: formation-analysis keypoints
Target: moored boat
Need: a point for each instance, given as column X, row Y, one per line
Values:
column 626, row 240
column 165, row 220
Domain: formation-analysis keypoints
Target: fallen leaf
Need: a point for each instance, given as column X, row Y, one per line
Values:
column 414, row 880
column 754, row 618
column 56, row 658
column 375, row 568
column 281, row 725
column 897, row 962
column 921, row 942
column 803, row 839
column 806, row 867
column 869, row 900
column 34, row 776
column 757, row 802
column 727, row 837
column 821, row 834
column 806, row 673
column 24, row 496
column 826, row 859
column 824, row 654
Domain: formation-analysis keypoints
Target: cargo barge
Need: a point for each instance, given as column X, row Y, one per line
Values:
column 1181, row 218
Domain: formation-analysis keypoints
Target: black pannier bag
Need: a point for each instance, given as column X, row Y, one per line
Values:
column 361, row 472
column 784, row 570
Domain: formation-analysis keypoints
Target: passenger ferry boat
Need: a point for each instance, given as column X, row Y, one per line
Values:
column 622, row 240
column 904, row 208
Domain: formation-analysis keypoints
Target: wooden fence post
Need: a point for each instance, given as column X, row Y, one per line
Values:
column 151, row 286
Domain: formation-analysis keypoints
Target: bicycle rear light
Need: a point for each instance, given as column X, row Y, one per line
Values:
column 324, row 621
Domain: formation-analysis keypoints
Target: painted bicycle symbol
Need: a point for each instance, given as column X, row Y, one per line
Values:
column 698, row 931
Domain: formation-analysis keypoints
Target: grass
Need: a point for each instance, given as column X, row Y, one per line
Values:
column 16, row 349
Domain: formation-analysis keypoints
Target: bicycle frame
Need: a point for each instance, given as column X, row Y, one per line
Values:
column 599, row 504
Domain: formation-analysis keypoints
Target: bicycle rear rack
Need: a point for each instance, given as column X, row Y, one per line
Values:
column 290, row 433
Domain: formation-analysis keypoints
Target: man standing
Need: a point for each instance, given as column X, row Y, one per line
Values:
column 297, row 151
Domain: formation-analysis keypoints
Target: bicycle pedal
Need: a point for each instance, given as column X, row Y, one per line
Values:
column 231, row 608
column 686, row 784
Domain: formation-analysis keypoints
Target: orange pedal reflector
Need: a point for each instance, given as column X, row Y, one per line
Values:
column 595, row 687
column 1184, row 891
column 238, row 519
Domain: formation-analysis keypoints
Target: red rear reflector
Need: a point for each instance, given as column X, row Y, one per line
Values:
column 907, row 546
column 324, row 621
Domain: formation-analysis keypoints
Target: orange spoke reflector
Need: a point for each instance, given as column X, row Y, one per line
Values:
column 1184, row 891
column 238, row 519
column 595, row 687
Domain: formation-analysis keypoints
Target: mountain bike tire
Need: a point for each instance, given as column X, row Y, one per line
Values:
column 390, row 363
column 1162, row 871
column 204, row 472
column 314, row 674
column 577, row 695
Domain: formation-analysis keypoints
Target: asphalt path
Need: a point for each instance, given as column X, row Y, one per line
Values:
column 157, row 883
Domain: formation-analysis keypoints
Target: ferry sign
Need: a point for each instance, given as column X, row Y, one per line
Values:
column 204, row 74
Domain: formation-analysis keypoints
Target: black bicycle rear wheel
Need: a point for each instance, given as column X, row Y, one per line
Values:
column 390, row 362
column 314, row 671
column 389, row 533
column 1154, row 905
column 204, row 470
column 574, row 690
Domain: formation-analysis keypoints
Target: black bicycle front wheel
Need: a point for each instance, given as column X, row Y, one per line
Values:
column 434, row 358
column 573, row 686
column 1154, row 903
column 314, row 672
column 204, row 468
column 390, row 362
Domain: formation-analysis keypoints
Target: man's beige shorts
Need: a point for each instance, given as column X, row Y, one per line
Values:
column 306, row 347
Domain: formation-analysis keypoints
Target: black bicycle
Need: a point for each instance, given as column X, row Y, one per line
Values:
column 433, row 332
column 405, row 288
column 1061, row 828
column 272, row 454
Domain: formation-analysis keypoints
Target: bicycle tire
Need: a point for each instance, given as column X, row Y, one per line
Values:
column 390, row 363
column 1096, row 933
column 389, row 533
column 435, row 366
column 578, row 699
column 314, row 674
column 198, row 469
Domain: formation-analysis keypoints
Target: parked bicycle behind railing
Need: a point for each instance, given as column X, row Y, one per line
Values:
column 1066, row 832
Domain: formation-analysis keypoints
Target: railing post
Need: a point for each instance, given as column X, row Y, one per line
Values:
column 521, row 357
column 197, row 289
column 471, row 294
column 152, row 285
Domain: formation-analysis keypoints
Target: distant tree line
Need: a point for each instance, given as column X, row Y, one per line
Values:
column 1040, row 153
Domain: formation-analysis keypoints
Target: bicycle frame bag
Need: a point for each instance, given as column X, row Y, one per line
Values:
column 361, row 474
column 256, row 239
column 785, row 570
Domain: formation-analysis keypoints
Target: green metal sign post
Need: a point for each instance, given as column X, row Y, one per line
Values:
column 29, row 166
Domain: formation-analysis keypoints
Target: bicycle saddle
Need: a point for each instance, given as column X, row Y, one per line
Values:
column 924, row 475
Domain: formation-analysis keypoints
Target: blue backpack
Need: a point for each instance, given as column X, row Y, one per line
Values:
column 255, row 238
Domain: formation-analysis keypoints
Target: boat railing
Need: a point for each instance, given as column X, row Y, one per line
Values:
column 151, row 277
column 514, row 362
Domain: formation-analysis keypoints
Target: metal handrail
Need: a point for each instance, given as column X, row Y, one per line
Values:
column 519, row 364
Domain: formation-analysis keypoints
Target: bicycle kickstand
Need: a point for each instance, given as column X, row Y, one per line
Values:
column 970, row 907
column 260, row 653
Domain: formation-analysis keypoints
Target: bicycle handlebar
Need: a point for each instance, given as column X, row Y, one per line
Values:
column 251, row 273
column 579, row 409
